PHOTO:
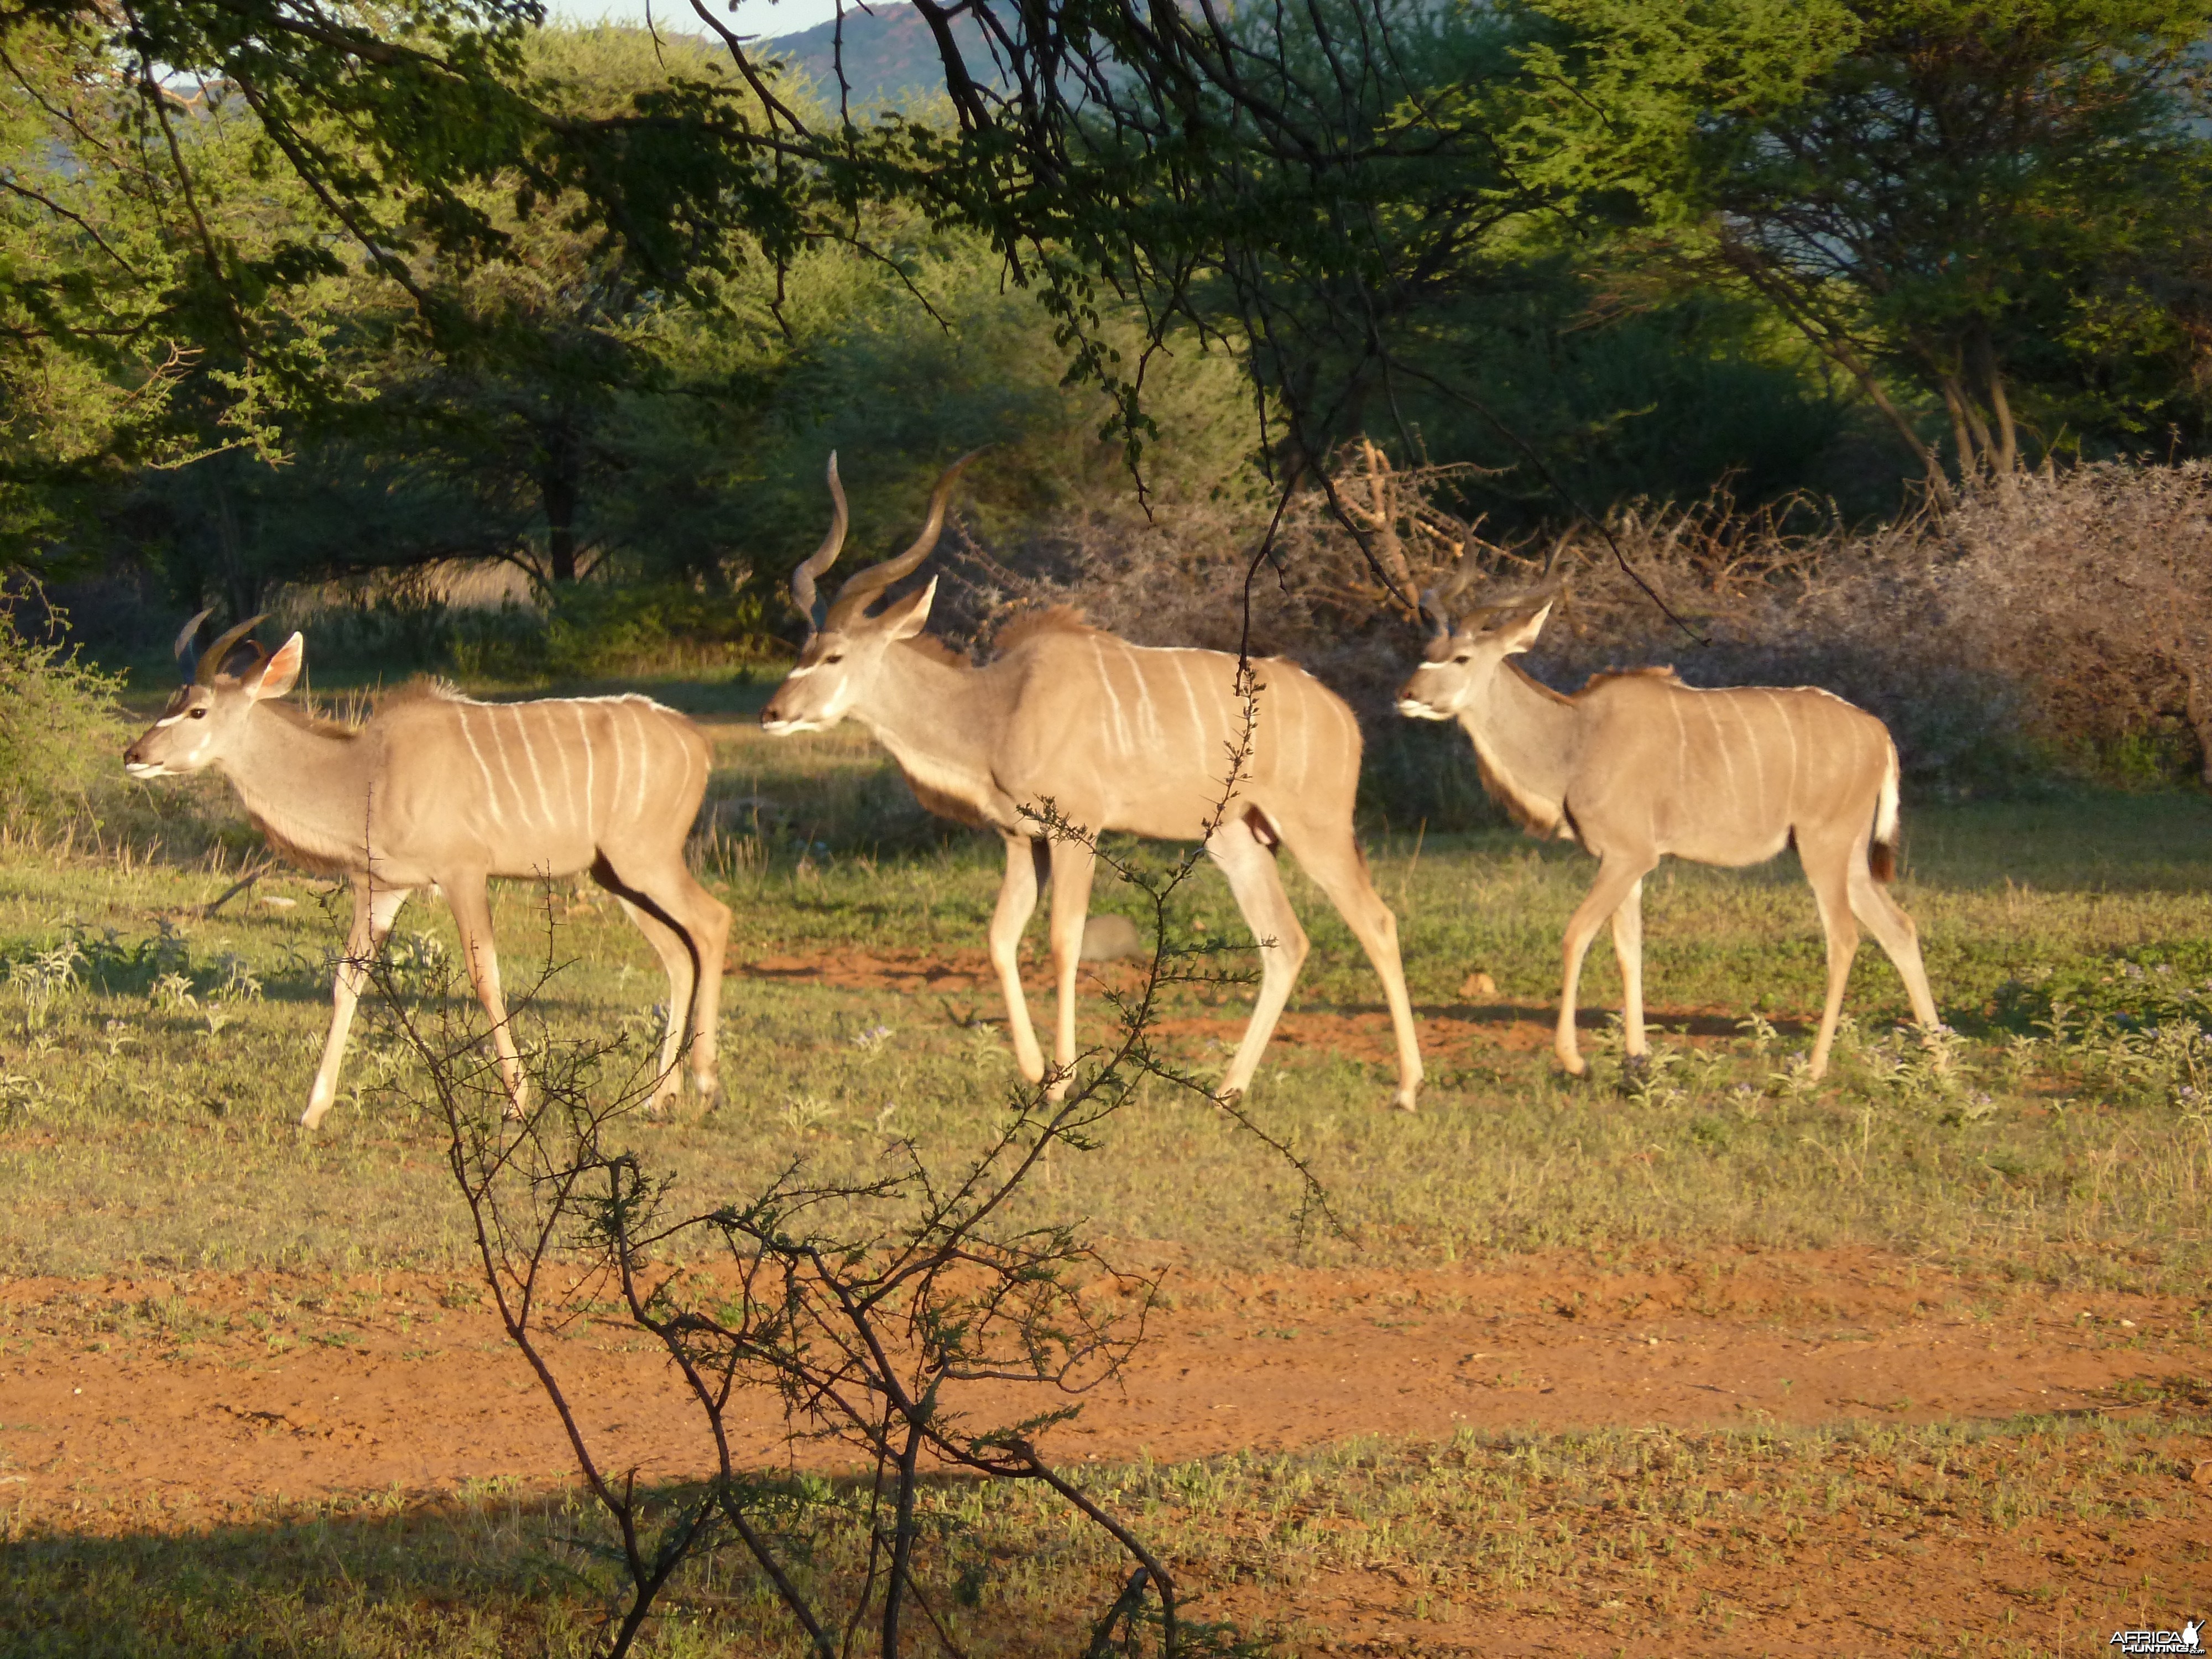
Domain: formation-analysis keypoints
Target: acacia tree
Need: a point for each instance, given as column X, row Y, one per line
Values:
column 1967, row 199
column 1290, row 180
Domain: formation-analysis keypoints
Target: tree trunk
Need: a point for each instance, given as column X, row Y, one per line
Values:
column 557, row 487
column 241, row 585
column 1954, row 402
column 2005, row 459
column 1832, row 341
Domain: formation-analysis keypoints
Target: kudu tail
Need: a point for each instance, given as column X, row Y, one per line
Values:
column 1881, row 851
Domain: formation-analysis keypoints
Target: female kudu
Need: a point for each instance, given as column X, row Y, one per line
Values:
column 438, row 789
column 1638, row 765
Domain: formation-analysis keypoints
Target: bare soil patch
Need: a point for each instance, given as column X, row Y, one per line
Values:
column 132, row 1403
column 1450, row 1033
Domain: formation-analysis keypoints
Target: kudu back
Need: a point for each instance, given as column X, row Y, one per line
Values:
column 1110, row 736
column 436, row 788
column 1638, row 766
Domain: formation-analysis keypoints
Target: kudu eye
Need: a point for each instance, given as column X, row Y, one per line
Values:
column 199, row 714
column 1464, row 656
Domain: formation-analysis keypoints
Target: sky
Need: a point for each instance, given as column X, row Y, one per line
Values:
column 752, row 16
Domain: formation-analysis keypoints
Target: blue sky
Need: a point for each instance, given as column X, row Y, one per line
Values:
column 750, row 17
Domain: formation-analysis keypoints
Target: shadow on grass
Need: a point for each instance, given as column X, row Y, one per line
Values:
column 494, row 1570
column 376, row 1577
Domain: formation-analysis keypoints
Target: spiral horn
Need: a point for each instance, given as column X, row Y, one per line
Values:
column 212, row 659
column 862, row 587
column 802, row 578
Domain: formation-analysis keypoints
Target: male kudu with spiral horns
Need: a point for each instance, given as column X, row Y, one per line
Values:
column 1638, row 765
column 436, row 788
column 1113, row 737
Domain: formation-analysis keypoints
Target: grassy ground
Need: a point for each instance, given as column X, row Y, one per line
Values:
column 152, row 1062
column 1760, row 1541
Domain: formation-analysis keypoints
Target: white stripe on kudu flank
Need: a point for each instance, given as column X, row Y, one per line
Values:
column 1728, row 755
column 591, row 801
column 644, row 754
column 614, row 795
column 1148, row 719
column 507, row 767
column 1758, row 753
column 1113, row 697
column 1190, row 697
column 537, row 773
column 491, row 789
column 568, row 780
column 1789, row 725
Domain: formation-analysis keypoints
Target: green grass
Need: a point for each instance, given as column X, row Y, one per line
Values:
column 151, row 1075
column 146, row 1100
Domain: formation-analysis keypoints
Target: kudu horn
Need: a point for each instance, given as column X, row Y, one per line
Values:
column 212, row 659
column 1434, row 599
column 863, row 586
column 802, row 578
column 190, row 632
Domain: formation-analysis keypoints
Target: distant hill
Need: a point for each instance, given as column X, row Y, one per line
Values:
column 890, row 58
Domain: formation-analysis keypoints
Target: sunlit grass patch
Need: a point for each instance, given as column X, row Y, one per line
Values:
column 152, row 1062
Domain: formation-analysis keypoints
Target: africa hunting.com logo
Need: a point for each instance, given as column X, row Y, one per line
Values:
column 2189, row 1638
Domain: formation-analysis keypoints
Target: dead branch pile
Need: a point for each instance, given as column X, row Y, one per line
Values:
column 2061, row 620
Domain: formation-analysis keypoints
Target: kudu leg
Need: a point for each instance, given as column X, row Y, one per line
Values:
column 472, row 905
column 373, row 912
column 1628, row 951
column 674, row 949
column 1258, row 887
column 689, row 930
column 1073, row 864
column 1337, row 869
column 1827, row 870
column 1893, row 930
column 1017, row 897
column 1616, row 878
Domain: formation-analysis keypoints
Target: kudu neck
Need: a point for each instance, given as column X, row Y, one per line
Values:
column 306, row 787
column 1526, row 734
column 924, row 704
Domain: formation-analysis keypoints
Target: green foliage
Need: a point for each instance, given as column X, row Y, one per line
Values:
column 1995, row 205
column 59, row 736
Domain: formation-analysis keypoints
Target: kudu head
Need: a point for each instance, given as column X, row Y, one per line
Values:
column 207, row 716
column 1464, row 657
column 844, row 650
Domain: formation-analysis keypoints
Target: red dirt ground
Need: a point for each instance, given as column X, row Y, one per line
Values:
column 1450, row 1033
column 126, row 1406
column 128, row 1403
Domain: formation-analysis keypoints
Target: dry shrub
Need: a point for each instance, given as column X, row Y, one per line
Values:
column 1864, row 615
column 2091, row 589
column 2060, row 622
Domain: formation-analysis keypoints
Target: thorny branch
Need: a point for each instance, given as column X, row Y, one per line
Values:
column 869, row 1308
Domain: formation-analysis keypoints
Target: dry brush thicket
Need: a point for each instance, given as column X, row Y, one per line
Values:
column 2055, row 621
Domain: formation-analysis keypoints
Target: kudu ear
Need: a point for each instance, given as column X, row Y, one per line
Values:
column 1520, row 632
column 276, row 676
column 908, row 618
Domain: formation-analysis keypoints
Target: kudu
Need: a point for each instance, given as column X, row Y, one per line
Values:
column 1637, row 765
column 436, row 789
column 1113, row 737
